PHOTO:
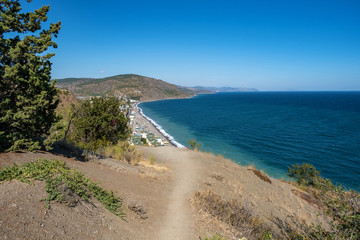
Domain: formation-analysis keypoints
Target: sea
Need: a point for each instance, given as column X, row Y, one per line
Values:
column 271, row 130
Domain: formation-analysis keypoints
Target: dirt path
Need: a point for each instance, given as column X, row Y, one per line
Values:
column 156, row 202
column 178, row 223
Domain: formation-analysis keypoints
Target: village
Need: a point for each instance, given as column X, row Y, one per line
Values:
column 143, row 132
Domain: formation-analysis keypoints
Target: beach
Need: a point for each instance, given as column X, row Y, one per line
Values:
column 142, row 127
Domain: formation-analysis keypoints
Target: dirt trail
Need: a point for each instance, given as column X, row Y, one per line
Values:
column 178, row 223
column 162, row 196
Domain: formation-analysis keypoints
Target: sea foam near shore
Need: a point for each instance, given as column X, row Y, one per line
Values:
column 161, row 130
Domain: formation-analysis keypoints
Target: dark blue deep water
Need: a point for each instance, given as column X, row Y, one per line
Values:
column 271, row 130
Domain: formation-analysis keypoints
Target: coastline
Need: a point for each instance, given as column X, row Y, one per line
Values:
column 154, row 127
column 177, row 98
column 289, row 149
column 158, row 128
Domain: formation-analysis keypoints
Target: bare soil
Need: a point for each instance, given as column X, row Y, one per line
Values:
column 158, row 200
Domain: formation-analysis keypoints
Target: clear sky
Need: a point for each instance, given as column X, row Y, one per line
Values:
column 269, row 45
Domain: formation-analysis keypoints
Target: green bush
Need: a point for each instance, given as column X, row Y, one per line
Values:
column 305, row 174
column 194, row 144
column 99, row 123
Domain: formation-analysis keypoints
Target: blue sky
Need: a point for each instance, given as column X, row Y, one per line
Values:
column 269, row 45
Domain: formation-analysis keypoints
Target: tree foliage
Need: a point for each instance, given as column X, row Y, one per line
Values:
column 305, row 174
column 99, row 123
column 27, row 99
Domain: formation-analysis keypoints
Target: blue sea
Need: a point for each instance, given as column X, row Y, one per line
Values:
column 271, row 130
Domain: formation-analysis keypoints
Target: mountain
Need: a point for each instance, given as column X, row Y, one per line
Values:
column 131, row 85
column 225, row 89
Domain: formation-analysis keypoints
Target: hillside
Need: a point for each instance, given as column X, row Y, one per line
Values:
column 131, row 85
column 173, row 199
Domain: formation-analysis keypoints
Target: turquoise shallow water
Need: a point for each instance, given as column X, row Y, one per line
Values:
column 271, row 130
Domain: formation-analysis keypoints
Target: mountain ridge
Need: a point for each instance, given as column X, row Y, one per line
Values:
column 132, row 85
column 136, row 87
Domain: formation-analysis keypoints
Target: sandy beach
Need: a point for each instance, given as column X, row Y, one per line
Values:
column 140, row 124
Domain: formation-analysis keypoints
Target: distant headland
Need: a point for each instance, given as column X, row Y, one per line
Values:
column 136, row 87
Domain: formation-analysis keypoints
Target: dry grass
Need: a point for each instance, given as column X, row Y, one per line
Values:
column 260, row 174
column 138, row 208
column 156, row 167
column 233, row 213
column 151, row 160
column 123, row 151
column 309, row 198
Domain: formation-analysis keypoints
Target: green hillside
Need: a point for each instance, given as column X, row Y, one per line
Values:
column 131, row 85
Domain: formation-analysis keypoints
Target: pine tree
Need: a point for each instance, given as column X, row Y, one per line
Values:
column 27, row 98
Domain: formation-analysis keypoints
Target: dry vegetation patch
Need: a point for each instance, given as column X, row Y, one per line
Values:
column 233, row 213
column 123, row 151
column 260, row 174
column 309, row 198
column 158, row 168
column 138, row 209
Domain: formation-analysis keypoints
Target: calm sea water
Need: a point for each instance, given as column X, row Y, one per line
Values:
column 271, row 130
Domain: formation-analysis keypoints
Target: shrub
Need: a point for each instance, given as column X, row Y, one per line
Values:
column 99, row 123
column 57, row 133
column 194, row 144
column 305, row 174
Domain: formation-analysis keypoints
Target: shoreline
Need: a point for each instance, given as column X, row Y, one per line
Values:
column 154, row 127
column 275, row 167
